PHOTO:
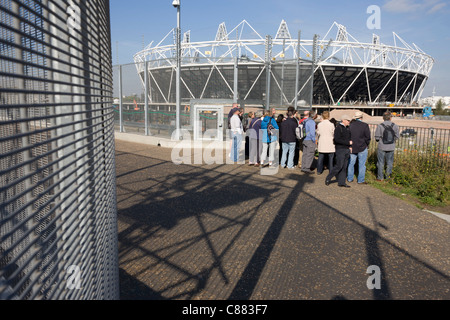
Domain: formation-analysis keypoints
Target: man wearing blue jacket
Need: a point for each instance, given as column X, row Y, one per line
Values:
column 309, row 143
column 269, row 140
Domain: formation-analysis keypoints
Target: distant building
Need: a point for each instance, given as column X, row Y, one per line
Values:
column 431, row 101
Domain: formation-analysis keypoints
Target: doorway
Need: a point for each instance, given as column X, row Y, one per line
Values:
column 208, row 122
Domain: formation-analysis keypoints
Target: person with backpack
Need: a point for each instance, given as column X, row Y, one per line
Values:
column 254, row 140
column 269, row 129
column 386, row 134
column 300, row 142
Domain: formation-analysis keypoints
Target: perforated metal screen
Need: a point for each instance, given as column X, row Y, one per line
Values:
column 58, row 230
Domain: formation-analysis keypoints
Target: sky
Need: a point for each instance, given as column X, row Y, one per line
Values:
column 426, row 23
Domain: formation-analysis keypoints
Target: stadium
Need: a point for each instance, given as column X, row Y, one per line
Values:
column 235, row 67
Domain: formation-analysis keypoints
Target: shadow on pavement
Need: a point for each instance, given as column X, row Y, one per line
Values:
column 203, row 209
column 209, row 232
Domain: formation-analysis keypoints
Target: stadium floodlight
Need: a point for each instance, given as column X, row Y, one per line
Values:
column 176, row 4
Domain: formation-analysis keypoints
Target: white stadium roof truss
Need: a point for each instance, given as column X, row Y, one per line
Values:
column 343, row 50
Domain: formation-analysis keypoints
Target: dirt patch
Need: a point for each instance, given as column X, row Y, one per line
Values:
column 402, row 122
column 337, row 114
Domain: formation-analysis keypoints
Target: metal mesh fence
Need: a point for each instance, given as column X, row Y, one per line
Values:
column 58, row 231
column 429, row 144
column 206, row 79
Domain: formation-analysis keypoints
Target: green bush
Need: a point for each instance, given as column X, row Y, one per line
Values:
column 426, row 177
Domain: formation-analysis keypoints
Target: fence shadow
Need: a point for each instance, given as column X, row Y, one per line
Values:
column 204, row 210
column 186, row 230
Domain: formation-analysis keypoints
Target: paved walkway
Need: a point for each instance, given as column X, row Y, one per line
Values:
column 227, row 232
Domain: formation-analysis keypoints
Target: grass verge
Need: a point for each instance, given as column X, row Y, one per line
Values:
column 421, row 180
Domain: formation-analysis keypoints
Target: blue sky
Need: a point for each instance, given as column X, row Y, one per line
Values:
column 423, row 22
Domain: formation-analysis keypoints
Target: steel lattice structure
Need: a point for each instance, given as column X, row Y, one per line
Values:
column 345, row 69
column 58, row 216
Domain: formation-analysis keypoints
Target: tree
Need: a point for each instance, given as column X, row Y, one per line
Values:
column 440, row 109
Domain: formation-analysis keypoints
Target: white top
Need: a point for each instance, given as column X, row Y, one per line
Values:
column 325, row 134
column 236, row 124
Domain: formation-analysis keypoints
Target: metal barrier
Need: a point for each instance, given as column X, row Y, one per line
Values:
column 58, row 216
column 146, row 98
column 426, row 143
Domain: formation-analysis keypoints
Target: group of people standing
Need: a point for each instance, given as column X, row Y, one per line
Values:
column 340, row 144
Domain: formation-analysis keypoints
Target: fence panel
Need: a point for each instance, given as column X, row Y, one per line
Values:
column 145, row 95
column 58, row 228
column 426, row 143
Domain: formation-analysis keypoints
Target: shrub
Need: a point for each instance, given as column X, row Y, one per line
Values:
column 424, row 176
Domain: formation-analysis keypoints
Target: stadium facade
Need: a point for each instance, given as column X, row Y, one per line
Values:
column 235, row 66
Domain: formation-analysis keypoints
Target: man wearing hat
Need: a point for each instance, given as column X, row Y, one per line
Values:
column 343, row 144
column 360, row 148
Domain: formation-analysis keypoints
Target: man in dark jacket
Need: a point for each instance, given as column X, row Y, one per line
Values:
column 360, row 148
column 343, row 142
column 289, row 139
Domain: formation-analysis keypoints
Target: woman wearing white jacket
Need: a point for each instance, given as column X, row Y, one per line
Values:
column 325, row 136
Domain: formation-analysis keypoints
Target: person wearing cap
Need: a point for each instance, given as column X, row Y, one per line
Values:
column 343, row 144
column 231, row 114
column 360, row 133
column 254, row 134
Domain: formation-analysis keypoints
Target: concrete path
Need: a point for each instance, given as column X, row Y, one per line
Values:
column 228, row 232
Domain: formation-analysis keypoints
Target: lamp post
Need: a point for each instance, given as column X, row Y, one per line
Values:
column 177, row 5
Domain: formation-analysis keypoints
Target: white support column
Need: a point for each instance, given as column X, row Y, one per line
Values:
column 328, row 87
column 384, row 88
column 147, row 129
column 236, row 79
column 297, row 72
column 396, row 89
column 410, row 83
column 368, row 87
column 351, row 85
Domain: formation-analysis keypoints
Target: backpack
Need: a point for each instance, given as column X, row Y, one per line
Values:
column 300, row 131
column 270, row 129
column 388, row 134
column 253, row 124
